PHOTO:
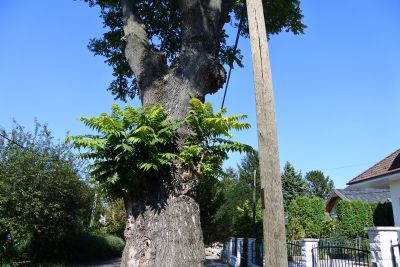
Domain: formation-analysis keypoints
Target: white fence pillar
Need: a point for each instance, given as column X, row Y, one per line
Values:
column 307, row 244
column 239, row 250
column 381, row 240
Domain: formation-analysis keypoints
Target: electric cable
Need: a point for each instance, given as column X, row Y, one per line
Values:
column 234, row 52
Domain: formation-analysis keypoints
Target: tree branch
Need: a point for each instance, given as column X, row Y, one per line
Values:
column 201, row 29
column 146, row 63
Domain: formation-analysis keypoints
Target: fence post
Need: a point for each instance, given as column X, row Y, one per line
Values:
column 381, row 240
column 239, row 250
column 251, row 251
column 307, row 244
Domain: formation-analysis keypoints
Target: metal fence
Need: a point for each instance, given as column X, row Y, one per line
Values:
column 294, row 254
column 340, row 256
column 358, row 243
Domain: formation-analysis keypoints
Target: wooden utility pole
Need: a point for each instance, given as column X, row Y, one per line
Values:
column 271, row 186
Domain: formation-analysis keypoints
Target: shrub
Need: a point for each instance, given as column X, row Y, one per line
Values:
column 306, row 218
column 382, row 214
column 353, row 217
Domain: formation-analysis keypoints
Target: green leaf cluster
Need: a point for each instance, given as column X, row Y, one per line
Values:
column 210, row 141
column 133, row 146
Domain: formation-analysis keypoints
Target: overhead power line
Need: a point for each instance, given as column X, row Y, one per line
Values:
column 21, row 146
column 234, row 52
column 12, row 141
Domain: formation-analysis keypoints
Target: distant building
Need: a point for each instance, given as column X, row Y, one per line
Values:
column 383, row 175
column 366, row 195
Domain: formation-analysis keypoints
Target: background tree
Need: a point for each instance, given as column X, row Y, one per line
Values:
column 319, row 185
column 293, row 185
column 44, row 204
column 167, row 52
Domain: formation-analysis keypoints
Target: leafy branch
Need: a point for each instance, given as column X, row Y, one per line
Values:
column 133, row 145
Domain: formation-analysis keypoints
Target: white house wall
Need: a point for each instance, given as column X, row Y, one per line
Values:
column 395, row 196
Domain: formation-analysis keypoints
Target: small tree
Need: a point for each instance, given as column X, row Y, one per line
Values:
column 293, row 185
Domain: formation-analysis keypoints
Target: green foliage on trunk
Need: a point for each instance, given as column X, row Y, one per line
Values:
column 135, row 145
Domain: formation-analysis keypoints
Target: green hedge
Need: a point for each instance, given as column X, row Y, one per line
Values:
column 307, row 218
column 354, row 216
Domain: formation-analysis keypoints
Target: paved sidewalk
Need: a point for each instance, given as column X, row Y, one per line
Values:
column 215, row 263
column 109, row 263
column 117, row 263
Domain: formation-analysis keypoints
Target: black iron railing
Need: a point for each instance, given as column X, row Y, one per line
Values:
column 294, row 254
column 335, row 256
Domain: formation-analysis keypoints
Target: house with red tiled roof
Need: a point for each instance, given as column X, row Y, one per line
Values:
column 383, row 175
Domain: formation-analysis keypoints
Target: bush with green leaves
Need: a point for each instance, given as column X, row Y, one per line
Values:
column 306, row 218
column 134, row 146
column 43, row 200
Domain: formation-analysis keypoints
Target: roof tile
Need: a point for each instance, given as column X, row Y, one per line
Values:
column 388, row 165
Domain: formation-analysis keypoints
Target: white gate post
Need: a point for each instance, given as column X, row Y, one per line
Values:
column 381, row 240
column 307, row 244
column 239, row 250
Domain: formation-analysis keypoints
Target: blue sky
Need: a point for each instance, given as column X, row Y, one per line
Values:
column 337, row 87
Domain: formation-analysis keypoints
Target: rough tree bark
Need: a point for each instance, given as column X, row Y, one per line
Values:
column 163, row 225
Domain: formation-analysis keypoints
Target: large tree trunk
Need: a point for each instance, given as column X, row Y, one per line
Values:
column 169, row 235
column 163, row 226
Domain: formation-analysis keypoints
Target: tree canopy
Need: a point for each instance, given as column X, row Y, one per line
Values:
column 165, row 23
